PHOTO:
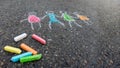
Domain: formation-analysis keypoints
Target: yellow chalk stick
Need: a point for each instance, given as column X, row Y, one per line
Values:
column 12, row 49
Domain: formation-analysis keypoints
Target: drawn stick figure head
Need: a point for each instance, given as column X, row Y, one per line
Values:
column 61, row 12
column 32, row 13
column 49, row 12
column 75, row 13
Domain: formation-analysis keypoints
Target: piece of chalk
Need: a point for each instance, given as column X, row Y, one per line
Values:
column 17, row 57
column 39, row 39
column 12, row 49
column 30, row 58
column 27, row 48
column 20, row 37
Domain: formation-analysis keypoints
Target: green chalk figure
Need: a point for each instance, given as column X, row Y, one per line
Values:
column 69, row 18
column 30, row 58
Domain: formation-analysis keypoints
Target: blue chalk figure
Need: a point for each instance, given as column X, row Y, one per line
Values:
column 17, row 57
column 52, row 16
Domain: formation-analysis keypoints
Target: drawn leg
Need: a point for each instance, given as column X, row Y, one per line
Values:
column 77, row 24
column 32, row 26
column 23, row 20
column 70, row 24
column 50, row 24
column 39, row 24
column 61, row 23
column 86, row 22
column 91, row 22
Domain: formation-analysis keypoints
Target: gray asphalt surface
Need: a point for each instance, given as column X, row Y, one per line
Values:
column 94, row 46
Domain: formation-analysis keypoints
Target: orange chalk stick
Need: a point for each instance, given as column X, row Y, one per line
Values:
column 27, row 48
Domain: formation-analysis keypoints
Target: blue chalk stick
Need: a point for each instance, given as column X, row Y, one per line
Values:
column 17, row 57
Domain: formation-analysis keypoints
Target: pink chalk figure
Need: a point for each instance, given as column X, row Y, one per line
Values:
column 33, row 18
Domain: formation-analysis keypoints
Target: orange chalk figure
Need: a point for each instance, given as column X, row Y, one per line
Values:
column 85, row 19
column 27, row 48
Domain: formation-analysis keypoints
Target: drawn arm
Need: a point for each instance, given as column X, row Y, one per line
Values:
column 57, row 16
column 74, row 17
column 62, row 15
column 23, row 20
column 44, row 17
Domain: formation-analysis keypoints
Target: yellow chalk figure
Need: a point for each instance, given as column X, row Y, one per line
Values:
column 12, row 49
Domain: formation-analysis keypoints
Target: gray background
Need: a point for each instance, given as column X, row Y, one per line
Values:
column 94, row 46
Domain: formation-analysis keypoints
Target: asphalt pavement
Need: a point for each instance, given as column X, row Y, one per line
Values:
column 92, row 46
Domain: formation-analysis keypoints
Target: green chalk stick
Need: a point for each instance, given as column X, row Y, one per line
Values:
column 30, row 58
